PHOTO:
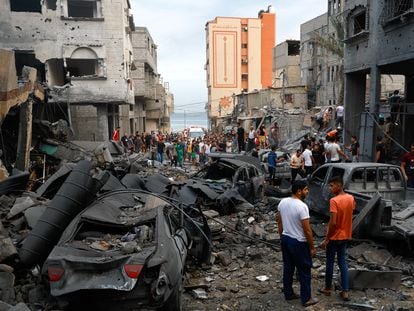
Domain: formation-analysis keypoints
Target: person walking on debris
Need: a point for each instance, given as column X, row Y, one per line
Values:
column 354, row 148
column 271, row 161
column 297, row 165
column 380, row 156
column 339, row 116
column 334, row 151
column 327, row 117
column 407, row 166
column 308, row 159
column 339, row 232
column 250, row 139
column 180, row 153
column 274, row 135
column 297, row 243
column 262, row 136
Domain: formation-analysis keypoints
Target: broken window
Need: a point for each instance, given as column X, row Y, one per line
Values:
column 84, row 62
column 84, row 8
column 28, row 58
column 56, row 73
column 293, row 48
column 359, row 23
column 82, row 67
column 320, row 174
column 25, row 6
column 51, row 4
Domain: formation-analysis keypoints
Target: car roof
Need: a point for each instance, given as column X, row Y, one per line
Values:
column 240, row 158
column 355, row 165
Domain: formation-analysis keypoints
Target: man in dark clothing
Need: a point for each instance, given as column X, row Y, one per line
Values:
column 380, row 151
column 271, row 161
column 160, row 151
column 240, row 137
column 125, row 142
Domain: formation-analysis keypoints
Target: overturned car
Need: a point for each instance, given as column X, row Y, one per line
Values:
column 128, row 248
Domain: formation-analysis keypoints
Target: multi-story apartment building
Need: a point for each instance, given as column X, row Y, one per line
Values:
column 153, row 101
column 379, row 40
column 82, row 50
column 239, row 59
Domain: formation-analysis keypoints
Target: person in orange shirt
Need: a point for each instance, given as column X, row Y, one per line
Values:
column 339, row 232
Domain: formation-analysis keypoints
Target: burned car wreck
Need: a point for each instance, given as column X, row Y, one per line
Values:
column 127, row 248
column 226, row 183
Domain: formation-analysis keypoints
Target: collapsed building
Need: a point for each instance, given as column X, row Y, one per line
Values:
column 379, row 41
column 82, row 51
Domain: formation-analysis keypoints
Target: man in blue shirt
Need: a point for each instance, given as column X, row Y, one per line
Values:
column 271, row 161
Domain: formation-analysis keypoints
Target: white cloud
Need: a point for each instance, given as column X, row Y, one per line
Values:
column 178, row 28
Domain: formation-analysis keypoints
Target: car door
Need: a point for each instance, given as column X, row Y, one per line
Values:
column 316, row 199
column 243, row 185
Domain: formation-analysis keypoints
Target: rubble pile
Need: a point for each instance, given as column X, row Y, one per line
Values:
column 244, row 271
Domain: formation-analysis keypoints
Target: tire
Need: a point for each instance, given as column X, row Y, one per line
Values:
column 175, row 301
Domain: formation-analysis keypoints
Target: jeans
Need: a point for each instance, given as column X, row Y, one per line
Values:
column 160, row 157
column 337, row 247
column 296, row 255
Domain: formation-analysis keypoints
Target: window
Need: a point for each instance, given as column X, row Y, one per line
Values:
column 359, row 23
column 82, row 67
column 289, row 98
column 25, row 6
column 244, row 45
column 84, row 62
column 51, row 4
column 83, row 8
column 320, row 174
column 337, row 172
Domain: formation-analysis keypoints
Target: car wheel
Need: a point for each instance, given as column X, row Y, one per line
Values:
column 175, row 301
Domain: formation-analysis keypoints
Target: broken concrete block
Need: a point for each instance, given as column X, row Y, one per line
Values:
column 20, row 307
column 20, row 205
column 224, row 258
column 7, row 293
column 199, row 293
column 6, row 201
column 211, row 213
column 4, row 306
column 6, row 268
column 7, row 249
column 250, row 220
column 360, row 279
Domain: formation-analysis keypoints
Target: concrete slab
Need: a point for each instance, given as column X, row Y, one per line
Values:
column 360, row 279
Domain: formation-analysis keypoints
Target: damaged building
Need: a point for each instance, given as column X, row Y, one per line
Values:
column 82, row 51
column 154, row 103
column 379, row 41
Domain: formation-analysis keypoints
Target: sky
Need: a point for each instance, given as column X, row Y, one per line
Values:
column 178, row 29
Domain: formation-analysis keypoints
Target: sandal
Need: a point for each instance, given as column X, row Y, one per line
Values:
column 311, row 302
column 325, row 291
column 293, row 296
column 344, row 295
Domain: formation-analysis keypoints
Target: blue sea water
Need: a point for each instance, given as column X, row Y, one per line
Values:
column 181, row 120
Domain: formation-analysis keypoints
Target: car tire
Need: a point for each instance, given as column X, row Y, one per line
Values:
column 175, row 301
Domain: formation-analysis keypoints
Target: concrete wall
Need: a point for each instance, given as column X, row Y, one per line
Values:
column 287, row 64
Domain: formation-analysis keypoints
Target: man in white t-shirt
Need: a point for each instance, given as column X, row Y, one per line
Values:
column 339, row 120
column 335, row 151
column 308, row 159
column 297, row 243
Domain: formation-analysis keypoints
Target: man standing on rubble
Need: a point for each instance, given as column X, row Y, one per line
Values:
column 297, row 243
column 339, row 232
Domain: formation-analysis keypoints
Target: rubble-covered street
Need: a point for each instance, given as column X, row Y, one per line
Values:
column 244, row 271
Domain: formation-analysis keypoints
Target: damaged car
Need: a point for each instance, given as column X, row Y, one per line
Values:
column 127, row 249
column 228, row 181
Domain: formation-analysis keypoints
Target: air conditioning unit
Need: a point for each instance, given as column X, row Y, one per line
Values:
column 245, row 60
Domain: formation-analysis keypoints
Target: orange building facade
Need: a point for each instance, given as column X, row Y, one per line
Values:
column 239, row 59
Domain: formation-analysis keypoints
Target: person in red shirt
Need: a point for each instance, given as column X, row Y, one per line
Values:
column 115, row 135
column 407, row 166
column 339, row 232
